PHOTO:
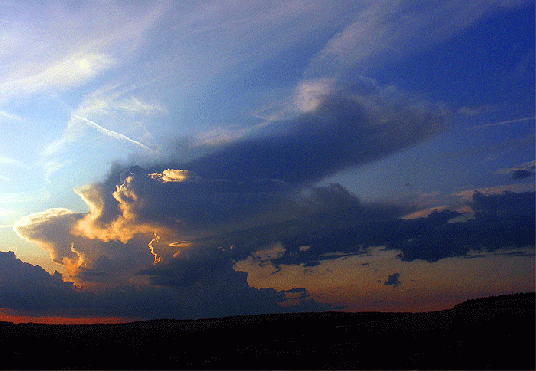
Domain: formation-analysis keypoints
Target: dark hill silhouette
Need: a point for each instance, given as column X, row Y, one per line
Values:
column 488, row 333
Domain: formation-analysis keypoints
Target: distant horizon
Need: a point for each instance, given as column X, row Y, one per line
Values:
column 117, row 320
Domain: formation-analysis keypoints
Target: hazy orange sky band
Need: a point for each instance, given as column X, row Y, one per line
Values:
column 64, row 320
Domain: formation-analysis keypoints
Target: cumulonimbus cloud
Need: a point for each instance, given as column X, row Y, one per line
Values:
column 246, row 184
column 181, row 227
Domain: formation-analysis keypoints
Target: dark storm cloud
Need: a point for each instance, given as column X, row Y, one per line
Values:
column 352, row 126
column 250, row 183
column 31, row 290
column 522, row 174
column 393, row 280
column 343, row 131
column 330, row 219
column 525, row 170
column 198, row 202
column 500, row 221
column 208, row 286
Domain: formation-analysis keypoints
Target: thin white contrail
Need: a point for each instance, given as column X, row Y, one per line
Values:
column 503, row 122
column 112, row 134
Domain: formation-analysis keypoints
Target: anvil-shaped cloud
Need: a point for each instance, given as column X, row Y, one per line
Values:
column 349, row 126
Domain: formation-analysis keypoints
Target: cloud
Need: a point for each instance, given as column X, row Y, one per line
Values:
column 393, row 280
column 496, row 190
column 174, row 204
column 350, row 127
column 392, row 30
column 254, row 195
column 424, row 213
column 311, row 93
column 29, row 289
column 226, row 197
column 134, row 105
column 203, row 243
column 10, row 116
column 357, row 282
column 200, row 283
column 498, row 221
column 502, row 123
column 22, row 197
column 83, row 247
column 175, row 213
column 257, row 192
column 172, row 175
column 211, row 287
column 10, row 161
column 522, row 173
column 525, row 170
column 63, row 47
column 73, row 70
column 112, row 133
column 117, row 99
column 50, row 230
column 118, row 107
column 142, row 215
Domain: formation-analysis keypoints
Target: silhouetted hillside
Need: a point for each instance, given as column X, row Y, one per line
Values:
column 519, row 300
column 490, row 333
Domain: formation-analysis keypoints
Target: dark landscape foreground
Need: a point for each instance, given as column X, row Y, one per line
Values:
column 490, row 333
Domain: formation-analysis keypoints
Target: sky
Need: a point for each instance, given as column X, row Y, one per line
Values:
column 198, row 159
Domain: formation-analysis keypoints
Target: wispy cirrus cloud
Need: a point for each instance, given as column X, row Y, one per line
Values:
column 10, row 161
column 112, row 133
column 112, row 103
column 73, row 70
column 502, row 123
column 116, row 99
column 134, row 105
column 10, row 116
column 68, row 56
column 397, row 29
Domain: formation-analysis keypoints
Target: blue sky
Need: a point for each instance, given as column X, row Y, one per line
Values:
column 170, row 150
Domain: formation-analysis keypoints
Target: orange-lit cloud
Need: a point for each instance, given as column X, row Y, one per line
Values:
column 151, row 249
column 79, row 241
column 122, row 228
column 50, row 230
column 127, row 214
column 423, row 213
column 72, row 265
column 496, row 190
column 126, row 225
column 172, row 175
